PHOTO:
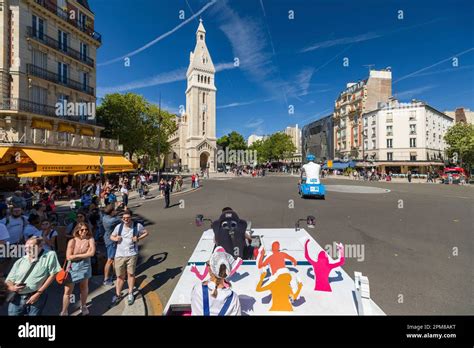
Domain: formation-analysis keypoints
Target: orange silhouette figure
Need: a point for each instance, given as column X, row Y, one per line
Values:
column 281, row 291
column 276, row 260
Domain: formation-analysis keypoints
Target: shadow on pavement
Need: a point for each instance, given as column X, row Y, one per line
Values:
column 152, row 261
column 159, row 279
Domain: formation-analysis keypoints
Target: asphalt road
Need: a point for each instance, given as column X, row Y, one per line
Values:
column 417, row 240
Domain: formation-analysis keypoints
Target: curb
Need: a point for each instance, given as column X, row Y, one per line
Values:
column 153, row 305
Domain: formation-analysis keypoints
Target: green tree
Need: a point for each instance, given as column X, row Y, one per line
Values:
column 279, row 146
column 122, row 116
column 233, row 141
column 223, row 141
column 236, row 141
column 460, row 140
column 138, row 124
column 263, row 150
column 159, row 127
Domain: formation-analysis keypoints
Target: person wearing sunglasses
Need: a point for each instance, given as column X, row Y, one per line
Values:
column 79, row 252
column 50, row 236
column 127, row 235
column 80, row 217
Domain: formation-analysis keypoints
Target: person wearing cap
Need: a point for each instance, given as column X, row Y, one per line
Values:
column 215, row 297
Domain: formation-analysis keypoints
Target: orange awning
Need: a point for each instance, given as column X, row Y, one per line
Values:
column 64, row 127
column 3, row 151
column 87, row 131
column 40, row 174
column 47, row 160
column 41, row 124
column 86, row 172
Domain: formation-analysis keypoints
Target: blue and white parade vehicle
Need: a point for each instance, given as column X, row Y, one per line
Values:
column 310, row 185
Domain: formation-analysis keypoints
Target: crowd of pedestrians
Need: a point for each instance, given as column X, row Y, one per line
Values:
column 30, row 258
column 29, row 277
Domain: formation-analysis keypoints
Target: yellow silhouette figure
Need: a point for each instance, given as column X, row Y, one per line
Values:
column 281, row 291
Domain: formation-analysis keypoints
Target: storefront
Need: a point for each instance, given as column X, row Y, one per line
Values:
column 29, row 162
column 401, row 167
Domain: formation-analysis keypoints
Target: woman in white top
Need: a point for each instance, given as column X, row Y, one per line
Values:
column 215, row 297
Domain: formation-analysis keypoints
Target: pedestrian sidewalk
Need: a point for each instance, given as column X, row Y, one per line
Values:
column 153, row 194
column 394, row 180
column 98, row 301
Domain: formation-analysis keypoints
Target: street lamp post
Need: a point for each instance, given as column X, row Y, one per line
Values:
column 159, row 142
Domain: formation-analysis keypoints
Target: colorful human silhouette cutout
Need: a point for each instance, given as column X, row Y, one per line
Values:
column 280, row 286
column 322, row 268
column 201, row 276
column 276, row 260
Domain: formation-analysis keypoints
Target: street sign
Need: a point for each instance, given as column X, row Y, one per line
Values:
column 330, row 164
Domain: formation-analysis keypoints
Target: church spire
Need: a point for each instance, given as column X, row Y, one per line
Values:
column 200, row 32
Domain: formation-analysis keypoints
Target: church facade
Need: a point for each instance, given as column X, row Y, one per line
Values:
column 193, row 145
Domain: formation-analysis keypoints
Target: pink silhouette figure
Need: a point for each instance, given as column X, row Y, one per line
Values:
column 276, row 260
column 322, row 267
column 205, row 273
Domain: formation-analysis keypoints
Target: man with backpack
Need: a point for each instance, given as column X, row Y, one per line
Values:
column 127, row 235
column 109, row 221
column 16, row 224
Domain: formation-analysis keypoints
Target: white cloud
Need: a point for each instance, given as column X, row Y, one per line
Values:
column 159, row 38
column 160, row 79
column 457, row 55
column 236, row 104
column 255, row 123
column 342, row 41
column 415, row 91
column 249, row 45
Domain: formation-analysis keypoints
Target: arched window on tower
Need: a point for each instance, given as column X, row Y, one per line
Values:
column 204, row 123
column 203, row 97
column 201, row 37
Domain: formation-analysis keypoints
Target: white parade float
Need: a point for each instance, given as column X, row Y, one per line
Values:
column 348, row 296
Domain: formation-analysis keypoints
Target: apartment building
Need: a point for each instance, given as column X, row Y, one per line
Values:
column 48, row 81
column 461, row 115
column 399, row 137
column 317, row 139
column 357, row 99
column 295, row 134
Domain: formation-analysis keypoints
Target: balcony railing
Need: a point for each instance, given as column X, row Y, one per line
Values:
column 64, row 15
column 53, row 77
column 49, row 41
column 15, row 104
column 52, row 139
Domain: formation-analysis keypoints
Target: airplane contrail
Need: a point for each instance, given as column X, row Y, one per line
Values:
column 433, row 65
column 159, row 38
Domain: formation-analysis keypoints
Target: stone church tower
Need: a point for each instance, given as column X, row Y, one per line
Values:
column 194, row 143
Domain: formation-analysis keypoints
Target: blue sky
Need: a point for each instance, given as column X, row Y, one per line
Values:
column 287, row 62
